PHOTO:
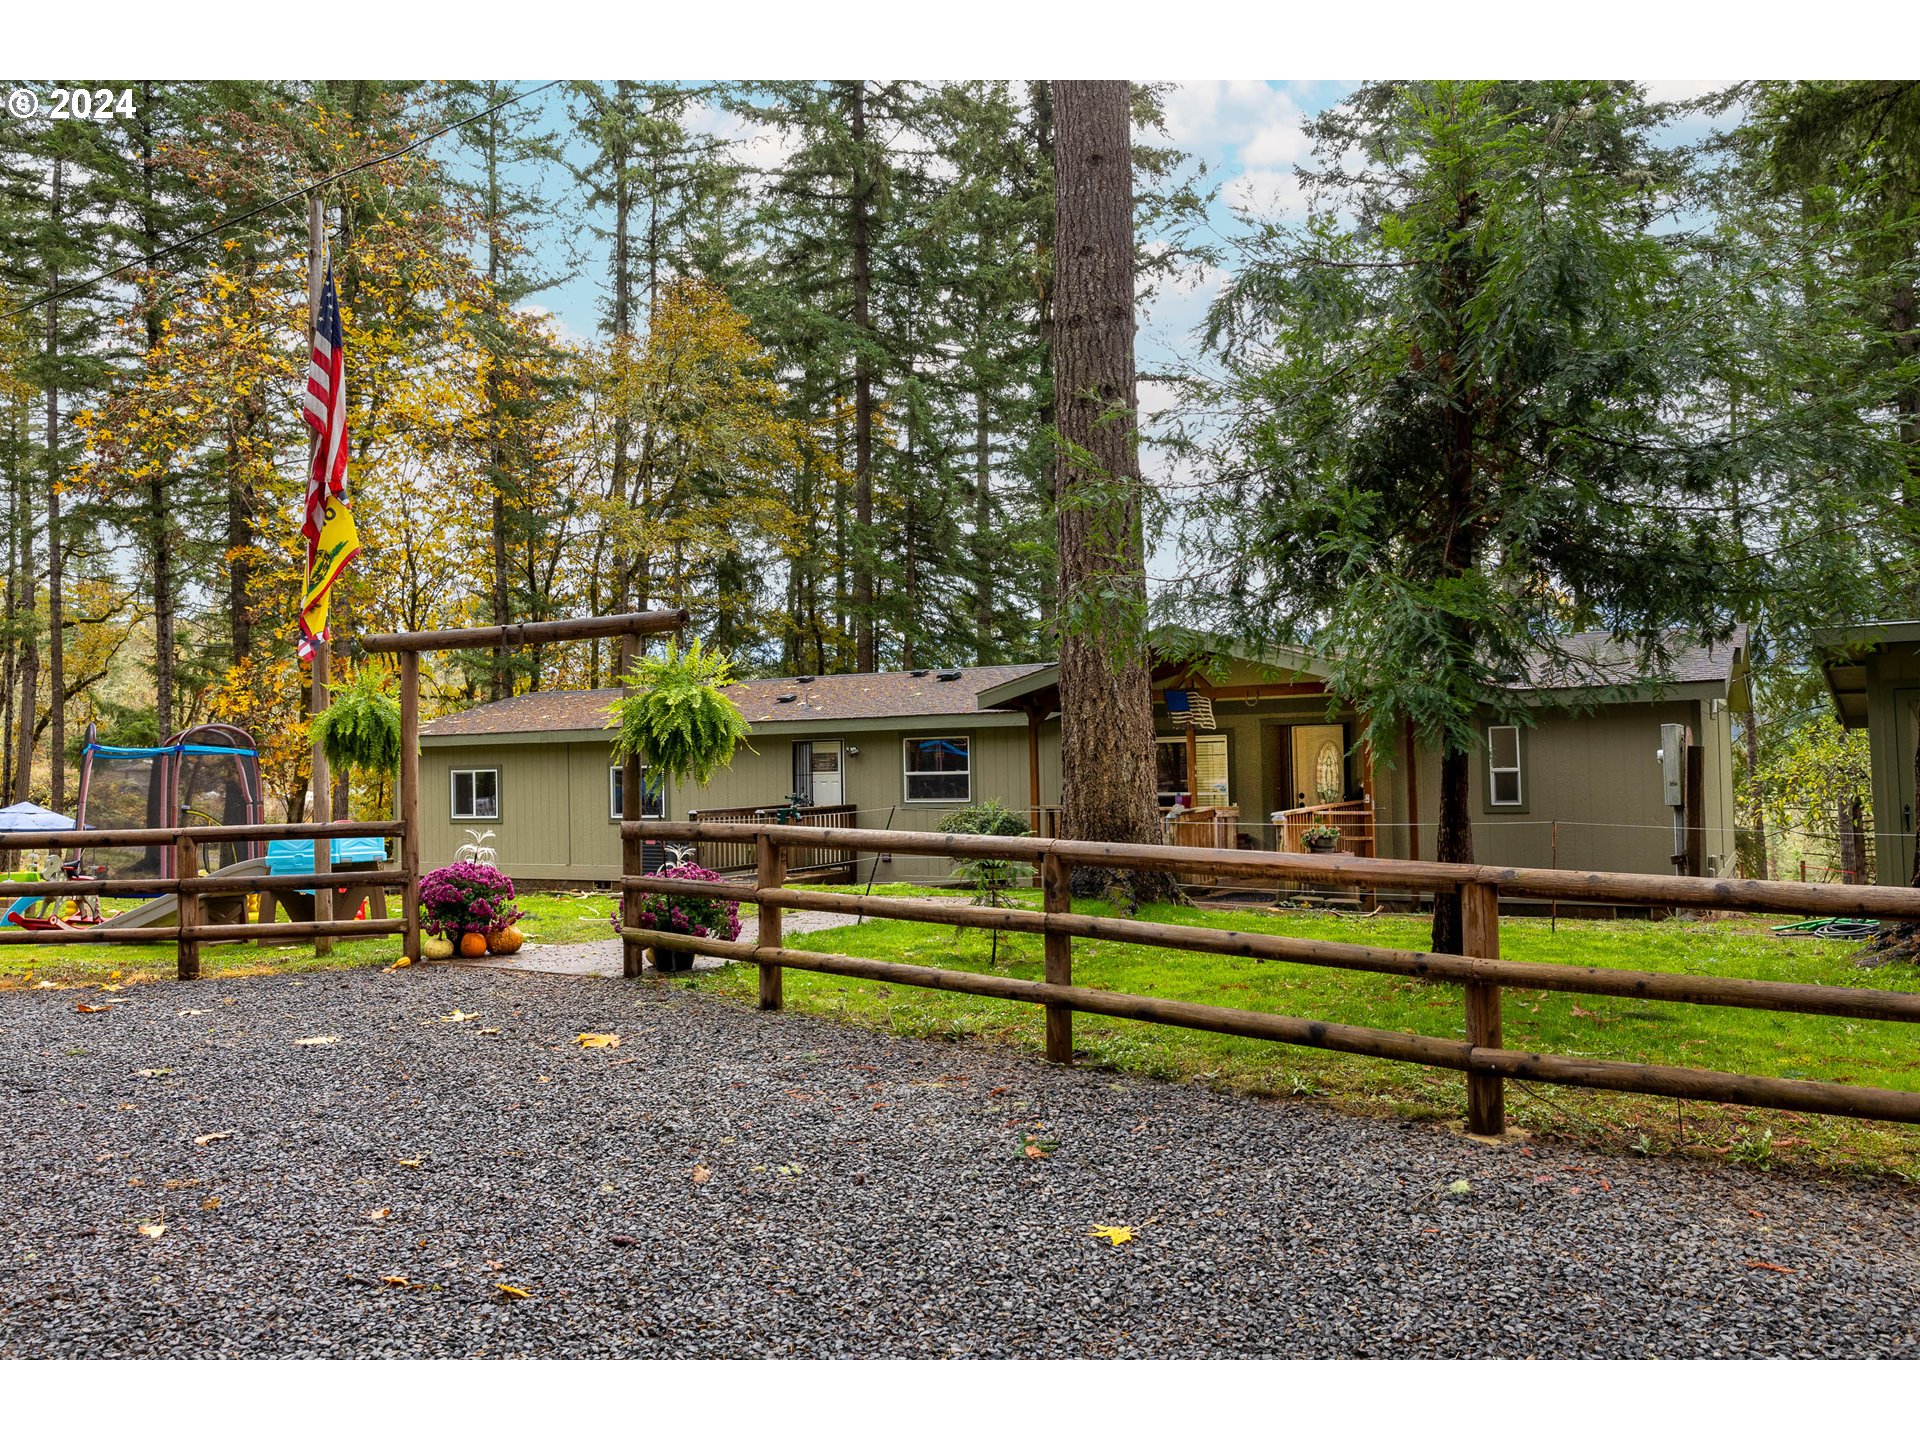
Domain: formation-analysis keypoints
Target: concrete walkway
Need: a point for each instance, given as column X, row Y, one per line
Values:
column 602, row 957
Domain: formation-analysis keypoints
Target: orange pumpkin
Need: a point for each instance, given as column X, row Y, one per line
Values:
column 473, row 944
column 506, row 941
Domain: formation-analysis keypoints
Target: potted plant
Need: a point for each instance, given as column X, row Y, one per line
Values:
column 695, row 915
column 359, row 731
column 471, row 906
column 678, row 720
column 1321, row 839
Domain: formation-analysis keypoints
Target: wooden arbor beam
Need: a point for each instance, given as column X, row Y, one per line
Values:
column 532, row 632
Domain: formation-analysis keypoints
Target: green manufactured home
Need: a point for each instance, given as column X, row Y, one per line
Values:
column 1251, row 751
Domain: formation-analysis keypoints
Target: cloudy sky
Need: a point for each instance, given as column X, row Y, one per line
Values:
column 1247, row 133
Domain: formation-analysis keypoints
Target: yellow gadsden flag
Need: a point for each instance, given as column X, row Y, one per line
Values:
column 327, row 525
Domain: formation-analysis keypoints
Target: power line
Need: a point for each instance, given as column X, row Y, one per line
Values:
column 148, row 261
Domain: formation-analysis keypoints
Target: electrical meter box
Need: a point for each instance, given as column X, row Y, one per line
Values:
column 1673, row 764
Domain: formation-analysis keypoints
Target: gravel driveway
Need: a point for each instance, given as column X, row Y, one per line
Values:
column 731, row 1183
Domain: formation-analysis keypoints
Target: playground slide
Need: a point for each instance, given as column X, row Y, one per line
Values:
column 161, row 911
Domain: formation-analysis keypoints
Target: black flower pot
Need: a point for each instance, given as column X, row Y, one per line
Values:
column 669, row 962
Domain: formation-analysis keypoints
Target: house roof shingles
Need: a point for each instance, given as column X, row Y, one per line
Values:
column 898, row 694
column 1594, row 658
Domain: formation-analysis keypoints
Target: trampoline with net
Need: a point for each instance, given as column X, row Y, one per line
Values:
column 205, row 775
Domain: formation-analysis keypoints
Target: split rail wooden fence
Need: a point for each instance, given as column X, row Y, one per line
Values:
column 1480, row 972
column 189, row 933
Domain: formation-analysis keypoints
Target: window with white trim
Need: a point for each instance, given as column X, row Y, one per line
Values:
column 1503, row 765
column 939, row 770
column 653, row 795
column 1209, row 765
column 476, row 794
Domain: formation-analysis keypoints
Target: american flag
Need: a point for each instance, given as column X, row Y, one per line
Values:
column 325, row 408
column 326, row 411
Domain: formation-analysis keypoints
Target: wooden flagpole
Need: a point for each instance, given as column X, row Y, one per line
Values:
column 322, row 789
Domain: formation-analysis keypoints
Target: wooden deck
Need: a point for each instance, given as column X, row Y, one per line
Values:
column 813, row 862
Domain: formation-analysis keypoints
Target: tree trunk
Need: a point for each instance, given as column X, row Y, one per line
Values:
column 1750, row 723
column 1040, row 93
column 27, row 677
column 499, row 685
column 861, row 240
column 56, row 620
column 159, row 520
column 1453, row 845
column 1106, row 721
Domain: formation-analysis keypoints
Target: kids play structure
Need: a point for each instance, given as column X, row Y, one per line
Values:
column 205, row 775
column 180, row 826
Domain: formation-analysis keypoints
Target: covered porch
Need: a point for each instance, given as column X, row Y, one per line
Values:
column 1250, row 755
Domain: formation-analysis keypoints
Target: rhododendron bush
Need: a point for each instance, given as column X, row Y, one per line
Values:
column 466, row 899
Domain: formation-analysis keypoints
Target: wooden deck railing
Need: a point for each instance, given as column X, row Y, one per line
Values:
column 189, row 931
column 738, row 856
column 1352, row 818
column 1480, row 973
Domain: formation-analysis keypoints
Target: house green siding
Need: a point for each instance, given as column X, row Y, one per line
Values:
column 1873, row 672
column 555, row 821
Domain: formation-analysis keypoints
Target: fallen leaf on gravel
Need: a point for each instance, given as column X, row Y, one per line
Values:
column 319, row 1040
column 189, row 1012
column 1769, row 1265
column 212, row 1202
column 92, row 1009
column 149, row 1074
column 1034, row 1152
column 701, row 1174
column 111, row 988
column 1118, row 1234
column 593, row 1040
column 512, row 1292
column 543, row 1079
column 413, row 1164
column 623, row 1240
column 208, row 1139
column 382, row 1213
column 229, row 999
column 399, row 1280
column 457, row 1016
column 490, row 1030
column 153, row 1229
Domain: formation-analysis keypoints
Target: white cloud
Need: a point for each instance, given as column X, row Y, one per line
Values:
column 1269, row 194
column 1252, row 121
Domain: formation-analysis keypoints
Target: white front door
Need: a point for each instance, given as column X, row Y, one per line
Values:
column 826, row 772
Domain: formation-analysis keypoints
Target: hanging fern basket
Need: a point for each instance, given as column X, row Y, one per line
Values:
column 360, row 730
column 678, row 720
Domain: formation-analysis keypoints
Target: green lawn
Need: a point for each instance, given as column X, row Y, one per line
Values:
column 551, row 919
column 1708, row 1037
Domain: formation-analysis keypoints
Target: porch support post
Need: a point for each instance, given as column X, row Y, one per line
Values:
column 1193, row 767
column 1033, row 766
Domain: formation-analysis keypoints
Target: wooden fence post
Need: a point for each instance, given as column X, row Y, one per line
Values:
column 633, row 851
column 1480, row 930
column 770, row 872
column 1056, row 894
column 410, row 799
column 186, row 866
